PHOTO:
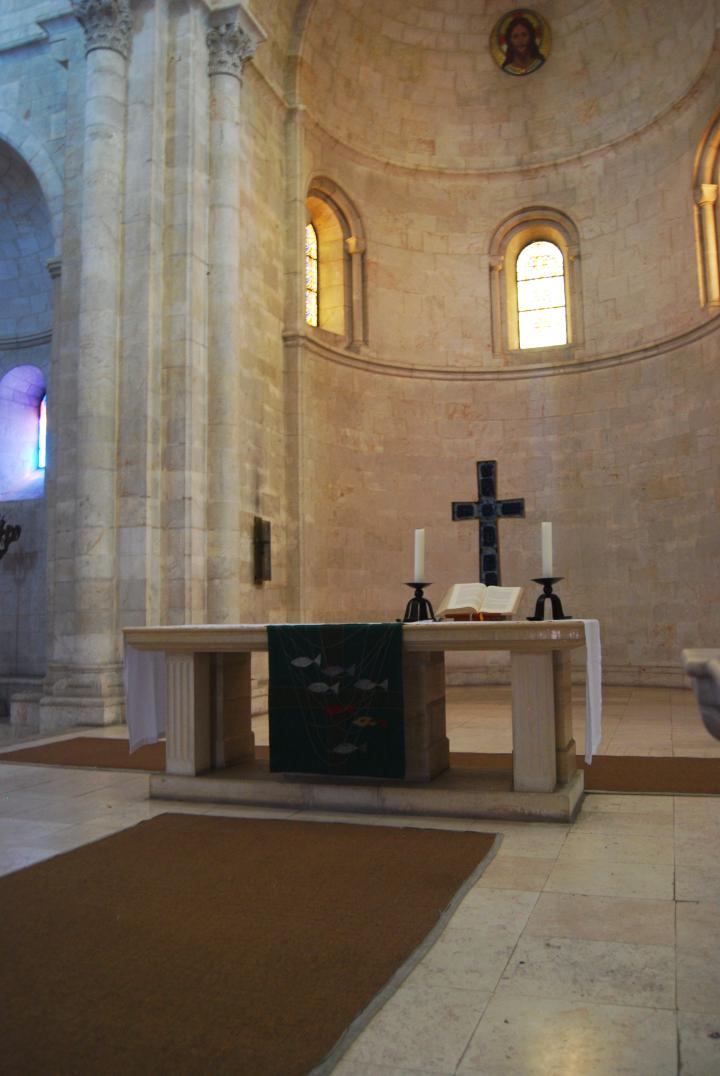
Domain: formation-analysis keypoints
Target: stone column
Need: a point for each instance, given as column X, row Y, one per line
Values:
column 232, row 40
column 356, row 249
column 54, row 268
column 89, row 689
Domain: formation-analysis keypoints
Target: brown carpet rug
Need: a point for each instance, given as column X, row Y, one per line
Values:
column 194, row 945
column 622, row 773
column 608, row 773
column 95, row 751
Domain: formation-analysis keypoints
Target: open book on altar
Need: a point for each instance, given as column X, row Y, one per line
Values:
column 475, row 601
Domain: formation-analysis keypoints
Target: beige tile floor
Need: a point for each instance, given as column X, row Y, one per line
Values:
column 585, row 950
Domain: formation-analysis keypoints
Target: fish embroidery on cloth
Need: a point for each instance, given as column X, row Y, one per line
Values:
column 335, row 699
column 322, row 688
column 337, row 670
column 302, row 663
column 348, row 748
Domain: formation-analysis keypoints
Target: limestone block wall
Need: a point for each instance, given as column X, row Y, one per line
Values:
column 616, row 445
column 40, row 45
column 278, row 18
column 184, row 435
column 622, row 459
column 26, row 243
column 398, row 102
column 160, row 266
column 429, row 236
column 163, row 467
column 261, row 472
column 22, row 592
column 31, row 136
column 412, row 82
column 34, row 77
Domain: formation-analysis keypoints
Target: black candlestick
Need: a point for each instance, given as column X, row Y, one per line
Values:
column 555, row 603
column 418, row 608
column 9, row 533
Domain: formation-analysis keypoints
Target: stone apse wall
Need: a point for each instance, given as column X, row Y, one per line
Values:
column 26, row 287
column 618, row 444
column 187, row 395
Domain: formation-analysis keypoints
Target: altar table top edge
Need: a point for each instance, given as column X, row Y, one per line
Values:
column 519, row 635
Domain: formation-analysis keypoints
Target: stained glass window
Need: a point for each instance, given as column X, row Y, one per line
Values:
column 542, row 317
column 311, row 275
column 42, row 432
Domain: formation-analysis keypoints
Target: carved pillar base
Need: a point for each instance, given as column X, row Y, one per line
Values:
column 91, row 695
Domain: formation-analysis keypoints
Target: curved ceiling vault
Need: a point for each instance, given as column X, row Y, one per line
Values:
column 413, row 82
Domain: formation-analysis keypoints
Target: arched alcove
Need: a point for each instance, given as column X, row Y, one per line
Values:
column 340, row 262
column 432, row 95
column 22, row 391
column 26, row 244
column 533, row 225
column 705, row 213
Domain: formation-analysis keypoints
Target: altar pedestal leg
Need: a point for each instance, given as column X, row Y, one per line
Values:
column 188, row 747
column 565, row 746
column 233, row 739
column 427, row 750
column 533, row 722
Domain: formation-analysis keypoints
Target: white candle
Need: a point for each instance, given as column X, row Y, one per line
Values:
column 419, row 571
column 547, row 551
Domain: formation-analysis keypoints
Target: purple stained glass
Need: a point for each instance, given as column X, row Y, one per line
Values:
column 42, row 433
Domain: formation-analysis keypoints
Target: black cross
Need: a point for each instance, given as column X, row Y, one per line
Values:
column 487, row 509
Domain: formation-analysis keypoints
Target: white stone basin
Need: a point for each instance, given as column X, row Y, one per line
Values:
column 703, row 668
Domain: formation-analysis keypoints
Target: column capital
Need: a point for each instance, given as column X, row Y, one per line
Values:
column 706, row 194
column 107, row 24
column 232, row 39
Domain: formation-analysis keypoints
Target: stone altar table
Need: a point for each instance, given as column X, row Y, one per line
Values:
column 210, row 744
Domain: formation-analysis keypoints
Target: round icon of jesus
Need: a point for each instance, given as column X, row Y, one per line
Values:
column 520, row 41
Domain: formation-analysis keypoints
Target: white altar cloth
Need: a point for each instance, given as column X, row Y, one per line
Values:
column 144, row 695
column 593, row 689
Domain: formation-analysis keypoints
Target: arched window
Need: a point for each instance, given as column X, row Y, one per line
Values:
column 705, row 213
column 22, row 392
column 334, row 265
column 540, row 275
column 311, row 275
column 42, row 434
column 536, row 288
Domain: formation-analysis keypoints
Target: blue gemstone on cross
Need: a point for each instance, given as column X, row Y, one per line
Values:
column 487, row 509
